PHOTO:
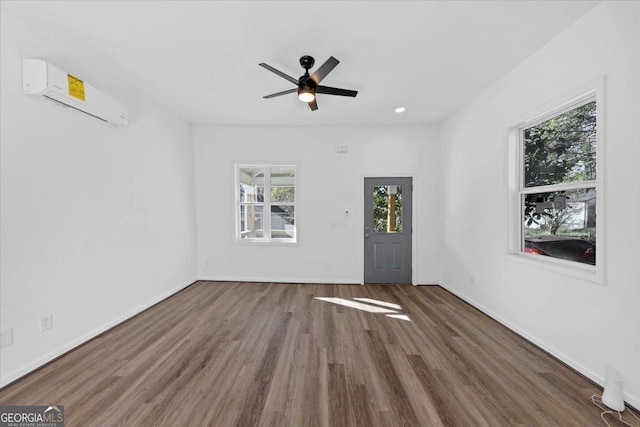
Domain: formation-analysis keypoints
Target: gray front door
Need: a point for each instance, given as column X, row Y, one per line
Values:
column 387, row 230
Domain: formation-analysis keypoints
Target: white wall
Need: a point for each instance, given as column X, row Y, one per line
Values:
column 591, row 326
column 96, row 223
column 328, row 185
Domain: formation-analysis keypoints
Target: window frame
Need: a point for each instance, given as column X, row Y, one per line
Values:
column 266, row 204
column 593, row 91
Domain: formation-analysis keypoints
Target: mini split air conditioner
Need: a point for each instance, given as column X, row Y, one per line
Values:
column 43, row 80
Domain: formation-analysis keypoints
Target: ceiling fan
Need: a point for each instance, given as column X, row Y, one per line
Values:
column 309, row 85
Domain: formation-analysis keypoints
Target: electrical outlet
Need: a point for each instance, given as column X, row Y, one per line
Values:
column 46, row 322
column 7, row 338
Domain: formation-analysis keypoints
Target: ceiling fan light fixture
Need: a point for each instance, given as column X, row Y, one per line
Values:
column 305, row 94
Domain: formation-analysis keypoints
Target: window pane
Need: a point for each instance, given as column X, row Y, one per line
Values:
column 561, row 149
column 283, row 222
column 251, row 221
column 561, row 224
column 387, row 208
column 283, row 185
column 251, row 184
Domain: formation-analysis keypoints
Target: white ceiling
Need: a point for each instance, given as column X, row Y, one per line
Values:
column 200, row 58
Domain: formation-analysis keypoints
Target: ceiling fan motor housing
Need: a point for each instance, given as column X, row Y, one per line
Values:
column 307, row 62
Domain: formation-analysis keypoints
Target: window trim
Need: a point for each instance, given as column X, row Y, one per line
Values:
column 593, row 91
column 266, row 203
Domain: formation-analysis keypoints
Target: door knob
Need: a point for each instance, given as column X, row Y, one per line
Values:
column 366, row 235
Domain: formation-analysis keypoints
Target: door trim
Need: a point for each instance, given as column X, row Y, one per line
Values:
column 414, row 257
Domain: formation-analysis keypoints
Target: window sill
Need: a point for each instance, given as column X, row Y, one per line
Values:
column 260, row 242
column 576, row 270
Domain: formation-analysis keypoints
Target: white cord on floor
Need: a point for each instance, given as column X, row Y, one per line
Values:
column 606, row 411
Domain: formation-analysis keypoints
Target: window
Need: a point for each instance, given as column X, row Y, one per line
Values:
column 387, row 209
column 557, row 194
column 266, row 189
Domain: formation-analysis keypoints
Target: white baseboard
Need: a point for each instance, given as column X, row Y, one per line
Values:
column 11, row 377
column 304, row 280
column 631, row 400
column 279, row 280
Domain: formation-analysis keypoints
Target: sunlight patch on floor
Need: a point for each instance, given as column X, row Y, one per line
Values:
column 399, row 316
column 369, row 308
column 378, row 302
column 357, row 305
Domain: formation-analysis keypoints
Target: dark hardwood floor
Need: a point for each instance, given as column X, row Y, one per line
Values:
column 245, row 354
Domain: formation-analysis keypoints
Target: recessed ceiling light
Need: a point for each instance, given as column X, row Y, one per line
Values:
column 400, row 110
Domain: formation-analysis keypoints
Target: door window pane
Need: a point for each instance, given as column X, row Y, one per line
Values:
column 561, row 224
column 387, row 208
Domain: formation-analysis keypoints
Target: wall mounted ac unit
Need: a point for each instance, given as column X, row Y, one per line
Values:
column 46, row 81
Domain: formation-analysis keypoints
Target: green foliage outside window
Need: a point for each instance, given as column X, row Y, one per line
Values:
column 381, row 208
column 559, row 150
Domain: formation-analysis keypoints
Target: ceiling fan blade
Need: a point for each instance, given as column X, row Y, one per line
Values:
column 324, row 69
column 336, row 91
column 284, row 92
column 313, row 105
column 280, row 73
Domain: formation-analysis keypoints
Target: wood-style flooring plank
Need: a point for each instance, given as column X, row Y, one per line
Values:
column 272, row 354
